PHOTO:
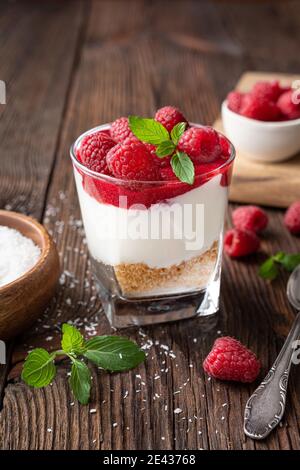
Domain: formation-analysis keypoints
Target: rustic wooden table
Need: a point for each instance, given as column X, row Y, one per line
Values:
column 69, row 66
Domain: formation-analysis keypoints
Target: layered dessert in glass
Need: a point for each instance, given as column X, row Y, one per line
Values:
column 153, row 204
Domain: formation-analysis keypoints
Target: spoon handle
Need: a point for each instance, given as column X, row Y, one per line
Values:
column 265, row 407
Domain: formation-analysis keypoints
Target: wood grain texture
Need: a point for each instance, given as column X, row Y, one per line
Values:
column 276, row 185
column 36, row 67
column 189, row 56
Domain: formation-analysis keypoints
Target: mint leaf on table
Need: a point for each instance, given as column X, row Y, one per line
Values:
column 183, row 167
column 177, row 132
column 148, row 130
column 72, row 340
column 165, row 148
column 270, row 268
column 113, row 353
column 80, row 381
column 289, row 262
column 39, row 369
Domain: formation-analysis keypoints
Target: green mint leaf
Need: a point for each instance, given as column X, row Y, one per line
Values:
column 80, row 381
column 72, row 340
column 114, row 353
column 268, row 270
column 39, row 369
column 289, row 262
column 278, row 257
column 148, row 130
column 183, row 167
column 165, row 148
column 177, row 132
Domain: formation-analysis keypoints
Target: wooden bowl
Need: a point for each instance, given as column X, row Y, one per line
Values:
column 24, row 300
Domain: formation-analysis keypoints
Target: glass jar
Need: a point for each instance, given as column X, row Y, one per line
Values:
column 155, row 247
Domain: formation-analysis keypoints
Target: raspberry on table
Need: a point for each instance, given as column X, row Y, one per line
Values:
column 201, row 144
column 235, row 100
column 238, row 243
column 120, row 130
column 169, row 116
column 251, row 218
column 93, row 150
column 260, row 108
column 292, row 218
column 132, row 161
column 268, row 90
column 286, row 106
column 231, row 360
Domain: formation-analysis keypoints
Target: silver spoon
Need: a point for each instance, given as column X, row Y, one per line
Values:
column 265, row 407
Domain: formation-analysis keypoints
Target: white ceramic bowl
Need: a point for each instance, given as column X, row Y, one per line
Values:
column 260, row 140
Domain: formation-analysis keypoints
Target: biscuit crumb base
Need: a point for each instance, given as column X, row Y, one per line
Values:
column 138, row 279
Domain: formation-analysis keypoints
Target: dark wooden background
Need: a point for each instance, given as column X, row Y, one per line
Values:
column 68, row 66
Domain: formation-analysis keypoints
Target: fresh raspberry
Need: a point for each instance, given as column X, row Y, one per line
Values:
column 251, row 218
column 235, row 100
column 201, row 144
column 169, row 116
column 268, row 90
column 292, row 218
column 93, row 150
column 239, row 242
column 260, row 108
column 132, row 161
column 167, row 174
column 225, row 146
column 120, row 130
column 285, row 104
column 160, row 162
column 231, row 360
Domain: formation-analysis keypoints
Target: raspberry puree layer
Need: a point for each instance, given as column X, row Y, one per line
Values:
column 103, row 223
column 108, row 192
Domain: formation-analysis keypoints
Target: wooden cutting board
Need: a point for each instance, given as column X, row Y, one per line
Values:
column 270, row 184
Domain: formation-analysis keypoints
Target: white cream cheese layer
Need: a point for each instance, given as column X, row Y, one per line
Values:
column 165, row 234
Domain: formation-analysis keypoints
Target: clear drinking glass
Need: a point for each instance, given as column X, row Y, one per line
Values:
column 155, row 247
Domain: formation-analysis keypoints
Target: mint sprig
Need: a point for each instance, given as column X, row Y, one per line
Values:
column 80, row 381
column 148, row 130
column 177, row 132
column 270, row 268
column 113, row 353
column 72, row 340
column 183, row 167
column 39, row 369
column 153, row 132
column 165, row 148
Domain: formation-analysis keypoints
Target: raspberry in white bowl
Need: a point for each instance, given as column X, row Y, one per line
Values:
column 264, row 123
column 153, row 194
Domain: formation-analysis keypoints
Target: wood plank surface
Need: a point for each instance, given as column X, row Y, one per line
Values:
column 188, row 56
column 36, row 65
column 275, row 185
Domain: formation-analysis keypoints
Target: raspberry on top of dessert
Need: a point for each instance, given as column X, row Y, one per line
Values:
column 171, row 154
column 266, row 101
